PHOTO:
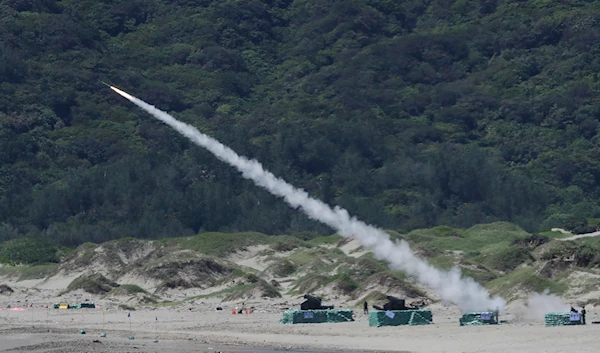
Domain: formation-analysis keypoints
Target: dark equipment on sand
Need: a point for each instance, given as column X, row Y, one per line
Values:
column 393, row 304
column 313, row 303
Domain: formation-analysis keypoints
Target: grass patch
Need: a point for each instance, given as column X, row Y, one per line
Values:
column 303, row 257
column 130, row 289
column 94, row 284
column 372, row 297
column 481, row 277
column 585, row 254
column 326, row 240
column 527, row 280
column 241, row 291
column 286, row 243
column 395, row 281
column 221, row 244
column 28, row 251
column 444, row 262
column 506, row 259
column 483, row 238
column 83, row 255
column 344, row 283
column 29, row 272
column 554, row 235
column 187, row 270
column 284, row 268
column 309, row 283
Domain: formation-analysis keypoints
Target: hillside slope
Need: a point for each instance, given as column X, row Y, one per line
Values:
column 409, row 115
column 253, row 267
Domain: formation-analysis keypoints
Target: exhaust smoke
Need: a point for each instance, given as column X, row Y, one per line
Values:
column 449, row 285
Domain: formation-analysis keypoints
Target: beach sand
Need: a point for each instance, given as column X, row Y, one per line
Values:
column 199, row 327
column 189, row 322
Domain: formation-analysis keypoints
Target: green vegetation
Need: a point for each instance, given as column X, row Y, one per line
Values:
column 525, row 280
column 242, row 291
column 284, row 244
column 343, row 283
column 372, row 298
column 219, row 244
column 583, row 254
column 94, row 284
column 500, row 256
column 333, row 239
column 131, row 289
column 284, row 268
column 27, row 272
column 28, row 251
column 409, row 114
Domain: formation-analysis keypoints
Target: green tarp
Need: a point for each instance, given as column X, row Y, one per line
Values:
column 316, row 316
column 77, row 306
column 400, row 317
column 563, row 319
column 478, row 318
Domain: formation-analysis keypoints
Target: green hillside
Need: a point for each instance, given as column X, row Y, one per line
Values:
column 410, row 114
column 500, row 256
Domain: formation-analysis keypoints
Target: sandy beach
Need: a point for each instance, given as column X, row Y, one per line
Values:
column 186, row 319
column 201, row 328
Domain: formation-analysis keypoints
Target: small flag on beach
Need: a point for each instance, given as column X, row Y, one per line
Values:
column 128, row 314
column 103, row 313
column 157, row 318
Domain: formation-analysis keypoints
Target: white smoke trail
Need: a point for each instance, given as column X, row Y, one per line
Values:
column 539, row 304
column 449, row 285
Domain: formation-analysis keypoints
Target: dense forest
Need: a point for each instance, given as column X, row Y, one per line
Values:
column 409, row 114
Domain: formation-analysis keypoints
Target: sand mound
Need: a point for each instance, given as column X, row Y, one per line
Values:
column 186, row 270
column 111, row 259
column 132, row 293
column 93, row 284
column 390, row 283
column 258, row 290
column 4, row 289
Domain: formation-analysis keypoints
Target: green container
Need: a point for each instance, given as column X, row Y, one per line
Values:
column 87, row 305
column 479, row 318
column 563, row 319
column 400, row 317
column 316, row 316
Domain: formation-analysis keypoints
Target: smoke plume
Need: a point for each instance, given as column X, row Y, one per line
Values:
column 449, row 285
column 539, row 304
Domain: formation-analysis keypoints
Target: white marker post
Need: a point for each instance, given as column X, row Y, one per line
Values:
column 130, row 330
column 155, row 329
column 102, row 334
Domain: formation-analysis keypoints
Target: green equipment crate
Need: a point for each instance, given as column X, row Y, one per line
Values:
column 316, row 316
column 479, row 318
column 400, row 317
column 563, row 319
column 87, row 305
